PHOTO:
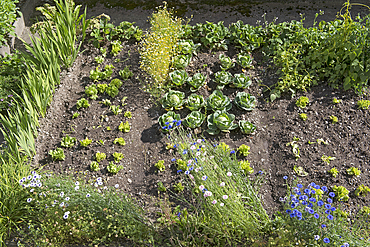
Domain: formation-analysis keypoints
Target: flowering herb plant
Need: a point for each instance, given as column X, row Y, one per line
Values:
column 241, row 81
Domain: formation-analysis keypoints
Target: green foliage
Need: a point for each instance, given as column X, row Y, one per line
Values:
column 68, row 141
column 223, row 78
column 197, row 81
column 116, row 82
column 112, row 91
column 116, row 48
column 168, row 121
column 128, row 114
column 245, row 101
column 75, row 115
column 226, row 62
column 91, row 91
column 101, row 87
column 100, row 156
column 336, row 101
column 126, row 30
column 94, row 166
column 303, row 116
column 160, row 165
column 327, row 159
column 181, row 61
column 57, row 154
column 300, row 171
column 295, row 148
column 217, row 101
column 245, row 61
column 245, row 166
column 117, row 157
column 194, row 120
column 341, row 193
column 115, row 109
column 241, row 81
column 85, row 142
column 186, row 47
column 246, row 127
column 99, row 59
column 220, row 121
column 173, row 99
column 246, row 37
column 353, row 171
column 302, row 102
column 363, row 104
column 120, row 141
column 97, row 75
column 178, row 77
column 106, row 102
column 82, row 103
column 334, row 172
column 113, row 168
column 244, row 149
column 333, row 119
column 178, row 187
column 8, row 14
column 362, row 190
column 124, row 127
column 211, row 35
column 161, row 187
column 194, row 102
column 182, row 165
column 126, row 73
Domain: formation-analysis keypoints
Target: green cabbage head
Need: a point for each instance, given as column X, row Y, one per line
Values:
column 246, row 127
column 197, row 81
column 173, row 99
column 241, row 81
column 178, row 77
column 194, row 119
column 245, row 101
column 220, row 121
column 194, row 102
column 169, row 121
column 217, row 101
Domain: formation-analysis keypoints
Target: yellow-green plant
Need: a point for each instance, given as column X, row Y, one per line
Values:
column 100, row 156
column 334, row 172
column 160, row 165
column 158, row 47
column 303, row 116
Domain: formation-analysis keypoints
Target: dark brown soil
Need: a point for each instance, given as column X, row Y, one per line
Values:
column 277, row 123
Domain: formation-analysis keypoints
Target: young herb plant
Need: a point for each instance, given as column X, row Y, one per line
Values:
column 124, row 127
column 86, row 142
column 57, row 154
column 117, row 157
column 82, row 103
column 68, row 141
column 119, row 141
column 160, row 165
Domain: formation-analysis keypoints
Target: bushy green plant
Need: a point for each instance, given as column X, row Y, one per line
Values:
column 116, row 82
column 94, row 166
column 303, row 116
column 68, row 141
column 211, row 35
column 126, row 73
column 161, row 187
column 57, row 154
column 194, row 120
column 302, row 102
column 113, row 168
column 8, row 14
column 217, row 101
column 101, row 87
column 128, row 114
column 127, row 30
column 115, row 109
column 187, row 47
column 241, row 81
column 106, row 102
column 124, row 127
column 246, row 127
column 82, row 103
column 100, row 156
column 75, row 115
column 226, row 62
column 244, row 149
column 245, row 61
column 181, row 61
column 86, row 142
column 91, row 91
column 182, row 165
column 353, row 171
column 333, row 119
column 116, row 47
column 99, row 59
column 341, row 193
column 169, row 121
column 197, row 81
column 363, row 104
column 112, row 91
column 178, row 77
column 223, row 78
column 173, row 100
column 120, row 141
column 194, row 102
column 334, row 172
column 327, row 159
column 245, row 101
column 160, row 165
column 98, row 75
column 362, row 190
column 245, row 166
column 220, row 121
column 178, row 187
column 117, row 157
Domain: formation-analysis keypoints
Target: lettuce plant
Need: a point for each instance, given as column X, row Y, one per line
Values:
column 244, row 149
column 82, row 103
column 106, row 102
column 362, row 190
column 178, row 77
column 245, row 61
column 245, row 101
column 341, row 193
column 86, row 142
column 187, row 47
column 116, row 48
column 197, row 81
column 169, row 120
column 160, row 165
column 181, row 61
column 91, row 91
column 128, row 114
column 353, row 171
column 57, row 154
column 217, row 101
column 226, row 62
column 115, row 109
column 194, row 119
column 220, row 121
column 194, row 102
column 94, row 166
column 241, row 81
column 246, row 127
column 120, row 141
column 117, row 157
column 173, row 99
column 100, row 156
column 95, row 74
column 116, row 82
column 126, row 73
column 333, row 119
column 124, row 127
column 101, row 87
column 363, row 104
column 75, row 115
column 112, row 91
column 68, row 141
column 334, row 172
column 113, row 168
column 245, row 166
column 223, row 78
column 302, row 102
column 99, row 59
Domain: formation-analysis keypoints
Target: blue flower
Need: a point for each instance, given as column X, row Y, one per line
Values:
column 175, row 146
column 324, row 188
column 178, row 123
column 313, row 184
column 164, row 127
column 170, row 126
column 316, row 215
column 232, row 152
column 327, row 206
column 327, row 211
column 292, row 215
column 185, row 151
column 178, row 215
column 312, row 199
column 292, row 205
column 299, row 214
column 333, row 209
column 215, row 145
column 345, row 245
column 310, row 205
column 299, row 185
column 187, row 172
column 174, row 121
column 320, row 203
column 260, row 172
column 317, row 187
column 173, row 159
column 313, row 192
column 304, row 197
column 288, row 211
column 285, row 177
column 198, row 149
column 178, row 171
column 329, row 200
column 330, row 217
column 332, row 194
column 326, row 240
column 191, row 168
column 304, row 203
column 323, row 225
column 307, row 191
column 311, row 211
column 167, row 123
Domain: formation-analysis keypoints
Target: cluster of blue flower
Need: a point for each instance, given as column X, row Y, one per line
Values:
column 171, row 125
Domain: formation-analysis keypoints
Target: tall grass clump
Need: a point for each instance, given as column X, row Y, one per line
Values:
column 158, row 47
column 230, row 210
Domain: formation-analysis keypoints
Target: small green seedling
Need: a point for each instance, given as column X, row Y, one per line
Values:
column 109, row 128
column 100, row 156
column 123, row 101
column 160, row 165
column 94, row 166
column 91, row 91
column 86, row 142
column 128, row 114
column 353, row 171
column 101, row 87
column 116, row 48
column 178, row 187
column 99, row 59
column 362, row 190
column 363, row 104
column 68, row 141
column 57, row 154
column 245, row 166
column 300, row 171
column 336, row 101
column 82, row 103
column 303, row 116
column 120, row 141
column 334, row 172
column 101, row 142
column 103, row 51
column 182, row 165
column 75, row 115
column 327, row 159
column 124, row 127
column 117, row 157
column 106, row 102
column 341, row 193
column 126, row 73
column 244, row 150
column 115, row 109
column 302, row 102
column 113, row 168
column 295, row 148
column 161, row 187
column 333, row 119
column 321, row 141
column 117, row 60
